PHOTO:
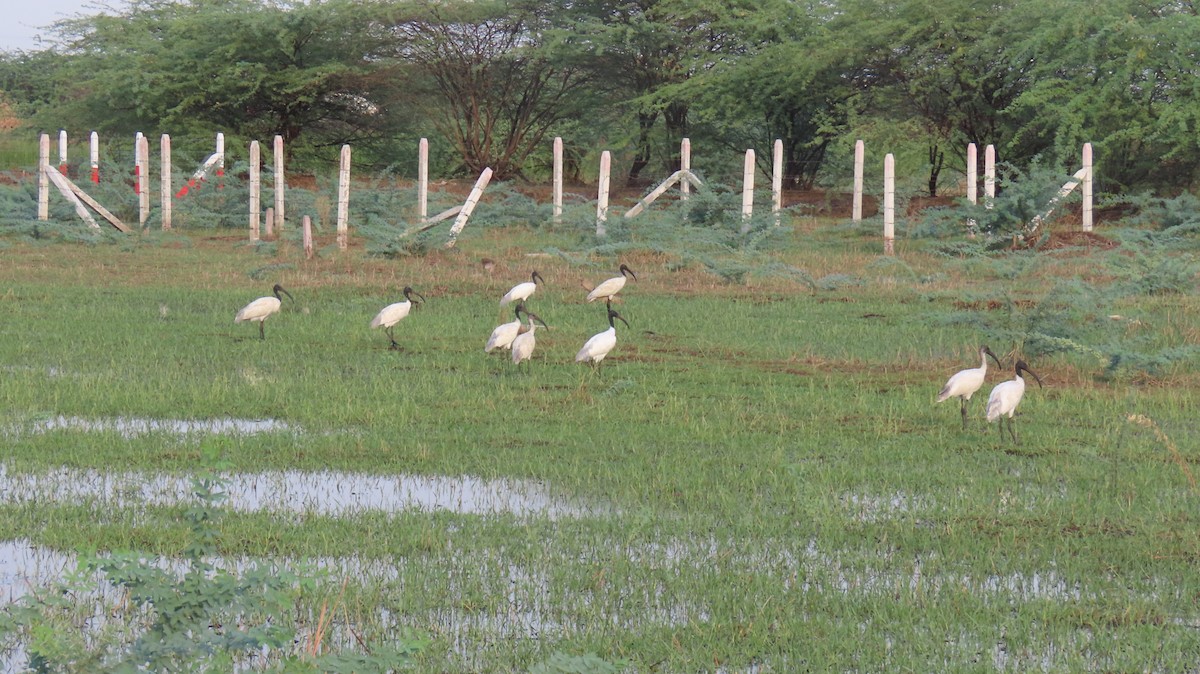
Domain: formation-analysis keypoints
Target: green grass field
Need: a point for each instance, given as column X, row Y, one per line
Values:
column 770, row 484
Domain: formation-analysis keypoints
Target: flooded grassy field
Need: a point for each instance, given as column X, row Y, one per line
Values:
column 757, row 478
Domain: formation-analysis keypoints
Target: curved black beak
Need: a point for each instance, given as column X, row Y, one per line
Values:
column 989, row 352
column 538, row 277
column 279, row 289
column 626, row 270
column 535, row 317
column 409, row 292
column 612, row 313
column 1022, row 367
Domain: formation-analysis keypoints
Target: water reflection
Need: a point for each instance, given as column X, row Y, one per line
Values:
column 130, row 427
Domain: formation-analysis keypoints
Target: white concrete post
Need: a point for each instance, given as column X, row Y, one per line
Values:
column 164, row 185
column 143, row 158
column 220, row 160
column 306, row 229
column 1087, row 188
column 989, row 175
column 602, row 197
column 423, row 180
column 747, row 190
column 777, row 180
column 469, row 206
column 269, row 219
column 685, row 163
column 280, row 186
column 343, row 206
column 43, row 208
column 972, row 183
column 889, row 204
column 94, row 156
column 62, row 151
column 558, row 179
column 255, row 189
column 859, row 156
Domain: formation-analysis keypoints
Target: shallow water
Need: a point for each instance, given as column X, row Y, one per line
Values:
column 130, row 427
column 322, row 493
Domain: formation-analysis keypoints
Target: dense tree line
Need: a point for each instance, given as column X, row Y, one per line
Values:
column 490, row 81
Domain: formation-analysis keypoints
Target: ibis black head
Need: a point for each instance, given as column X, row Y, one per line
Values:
column 409, row 292
column 1022, row 367
column 534, row 317
column 537, row 278
column 519, row 309
column 626, row 271
column 612, row 314
column 279, row 289
column 983, row 350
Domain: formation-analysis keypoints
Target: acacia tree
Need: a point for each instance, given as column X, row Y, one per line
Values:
column 298, row 70
column 493, row 88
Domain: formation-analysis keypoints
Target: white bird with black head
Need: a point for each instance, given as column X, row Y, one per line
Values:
column 964, row 383
column 261, row 308
column 1005, row 398
column 522, row 345
column 598, row 346
column 522, row 291
column 607, row 289
column 502, row 337
column 389, row 316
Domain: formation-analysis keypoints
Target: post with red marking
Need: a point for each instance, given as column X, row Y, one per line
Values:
column 137, row 166
column 62, row 151
column 94, row 155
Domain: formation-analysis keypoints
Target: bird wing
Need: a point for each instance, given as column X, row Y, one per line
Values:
column 964, row 383
column 258, row 309
column 996, row 401
column 598, row 346
column 390, row 315
column 519, row 292
column 503, row 336
column 607, row 289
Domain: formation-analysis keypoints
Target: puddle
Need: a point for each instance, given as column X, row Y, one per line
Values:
column 130, row 427
column 321, row 493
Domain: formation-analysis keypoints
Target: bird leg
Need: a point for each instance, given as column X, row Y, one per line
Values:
column 963, row 409
column 261, row 334
column 1012, row 433
column 392, row 337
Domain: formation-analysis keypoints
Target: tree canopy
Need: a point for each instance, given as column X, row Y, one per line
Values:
column 491, row 81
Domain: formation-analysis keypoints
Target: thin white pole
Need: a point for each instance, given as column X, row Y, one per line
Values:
column 138, row 170
column 94, row 156
column 747, row 190
column 860, row 154
column 62, row 151
column 255, row 188
column 602, row 197
column 1087, row 187
column 972, row 183
column 306, row 229
column 989, row 175
column 468, row 206
column 165, row 194
column 43, row 209
column 889, row 204
column 558, row 179
column 269, row 219
column 423, row 179
column 143, row 157
column 280, row 186
column 220, row 160
column 777, row 180
column 343, row 198
column 685, row 164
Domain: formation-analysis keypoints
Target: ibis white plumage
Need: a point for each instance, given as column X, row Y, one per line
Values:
column 522, row 291
column 607, row 289
column 1006, row 396
column 389, row 316
column 964, row 383
column 261, row 308
column 598, row 346
column 522, row 345
column 504, row 334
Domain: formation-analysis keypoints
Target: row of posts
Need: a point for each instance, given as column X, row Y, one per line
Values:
column 276, row 216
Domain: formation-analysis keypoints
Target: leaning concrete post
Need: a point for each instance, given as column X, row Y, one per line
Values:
column 602, row 196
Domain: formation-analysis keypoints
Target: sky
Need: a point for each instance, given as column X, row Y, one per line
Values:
column 21, row 21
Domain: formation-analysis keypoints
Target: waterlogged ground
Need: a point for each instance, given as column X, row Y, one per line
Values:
column 757, row 479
